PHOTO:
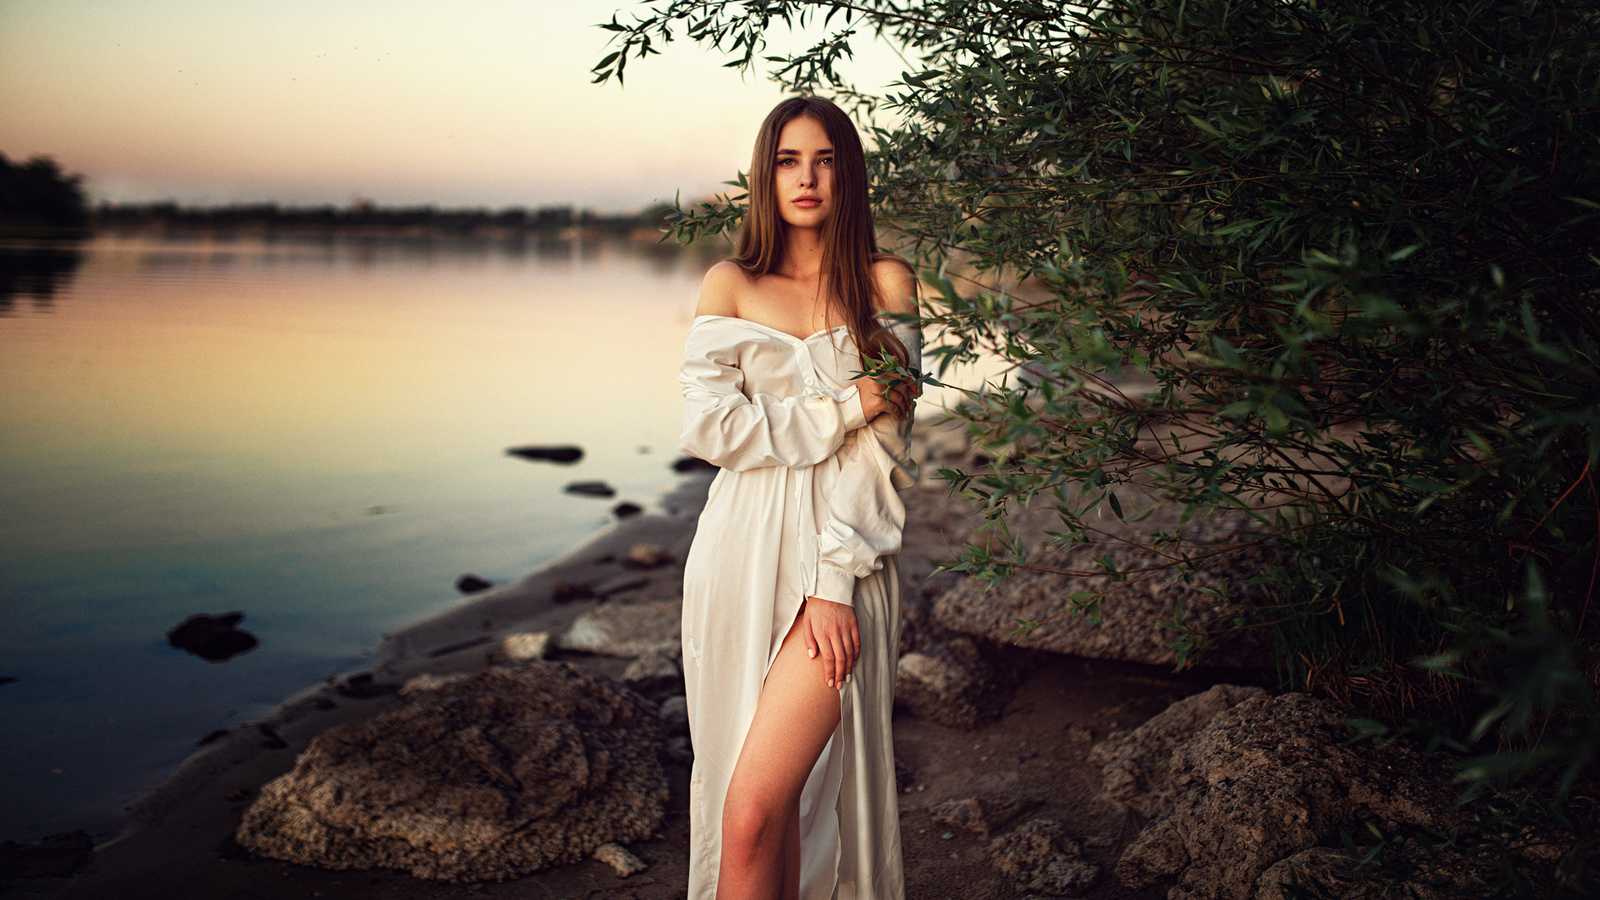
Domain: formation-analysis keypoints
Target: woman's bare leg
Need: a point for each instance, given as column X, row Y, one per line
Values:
column 791, row 860
column 795, row 715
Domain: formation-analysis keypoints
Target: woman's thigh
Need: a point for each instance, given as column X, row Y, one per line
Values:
column 795, row 716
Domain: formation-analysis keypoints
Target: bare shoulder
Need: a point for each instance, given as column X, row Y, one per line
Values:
column 724, row 284
column 895, row 283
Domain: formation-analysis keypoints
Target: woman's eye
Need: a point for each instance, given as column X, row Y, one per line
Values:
column 825, row 161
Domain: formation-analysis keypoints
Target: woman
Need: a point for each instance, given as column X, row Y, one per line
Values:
column 791, row 599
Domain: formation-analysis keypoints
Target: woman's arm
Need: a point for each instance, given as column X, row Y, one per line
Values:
column 865, row 523
column 895, row 288
column 866, row 519
column 865, row 513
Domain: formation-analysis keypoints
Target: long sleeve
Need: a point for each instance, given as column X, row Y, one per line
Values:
column 866, row 516
column 725, row 427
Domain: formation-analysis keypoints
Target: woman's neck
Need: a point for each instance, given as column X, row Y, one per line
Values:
column 802, row 254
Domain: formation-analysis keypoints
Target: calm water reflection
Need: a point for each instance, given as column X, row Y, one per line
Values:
column 309, row 431
column 34, row 272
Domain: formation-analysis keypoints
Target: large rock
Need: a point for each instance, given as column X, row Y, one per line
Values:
column 1135, row 767
column 494, row 776
column 952, row 682
column 627, row 629
column 1321, row 865
column 1234, row 781
column 1135, row 609
column 1041, row 856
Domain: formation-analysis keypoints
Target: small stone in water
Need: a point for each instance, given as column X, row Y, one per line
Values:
column 471, row 584
column 564, row 455
column 591, row 489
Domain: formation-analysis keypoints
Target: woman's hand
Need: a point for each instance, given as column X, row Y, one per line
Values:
column 830, row 630
column 894, row 398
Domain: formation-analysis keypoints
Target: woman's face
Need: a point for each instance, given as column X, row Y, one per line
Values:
column 803, row 173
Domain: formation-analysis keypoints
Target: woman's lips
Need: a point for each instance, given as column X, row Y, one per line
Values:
column 807, row 202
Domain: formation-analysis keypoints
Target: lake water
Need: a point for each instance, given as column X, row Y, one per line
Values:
column 308, row 430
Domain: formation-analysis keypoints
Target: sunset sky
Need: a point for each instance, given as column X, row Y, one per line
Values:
column 468, row 103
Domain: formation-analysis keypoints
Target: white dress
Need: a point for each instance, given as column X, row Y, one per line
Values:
column 806, row 505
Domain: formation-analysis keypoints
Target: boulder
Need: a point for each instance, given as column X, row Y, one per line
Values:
column 1321, row 865
column 626, row 509
column 951, row 682
column 654, row 673
column 1233, row 781
column 504, row 773
column 1133, row 610
column 1041, row 856
column 627, row 629
column 1134, row 766
column 212, row 638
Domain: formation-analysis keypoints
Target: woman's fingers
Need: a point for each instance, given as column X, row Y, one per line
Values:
column 873, row 401
column 895, row 397
column 838, row 639
column 901, row 395
column 849, row 653
column 834, row 666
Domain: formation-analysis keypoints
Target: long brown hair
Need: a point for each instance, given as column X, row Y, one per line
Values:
column 849, row 243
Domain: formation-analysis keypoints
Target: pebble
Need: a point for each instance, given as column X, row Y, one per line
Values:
column 524, row 645
column 646, row 556
column 620, row 859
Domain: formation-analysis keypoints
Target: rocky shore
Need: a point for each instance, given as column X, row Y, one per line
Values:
column 531, row 743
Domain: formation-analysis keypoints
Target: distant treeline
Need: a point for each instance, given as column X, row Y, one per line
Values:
column 366, row 217
column 37, row 199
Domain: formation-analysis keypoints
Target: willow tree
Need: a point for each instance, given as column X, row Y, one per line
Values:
column 1349, row 246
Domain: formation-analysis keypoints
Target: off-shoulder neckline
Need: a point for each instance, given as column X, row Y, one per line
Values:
column 765, row 327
